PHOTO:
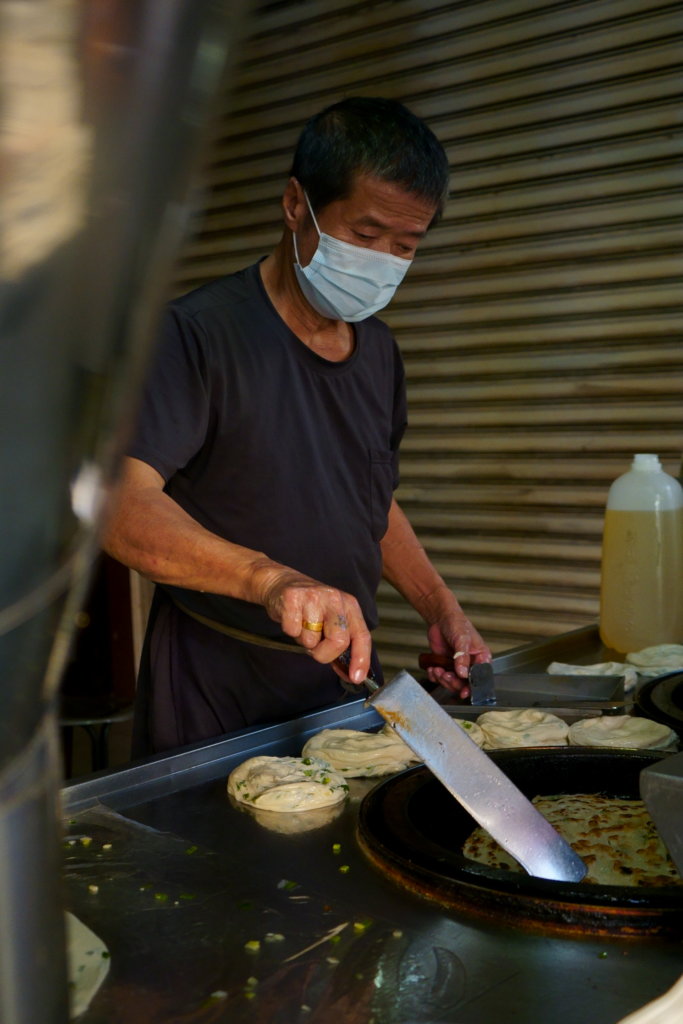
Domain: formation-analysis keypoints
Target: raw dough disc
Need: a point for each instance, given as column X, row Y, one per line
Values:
column 355, row 754
column 658, row 659
column 622, row 731
column 296, row 821
column 525, row 727
column 286, row 783
column 474, row 731
column 601, row 668
column 88, row 964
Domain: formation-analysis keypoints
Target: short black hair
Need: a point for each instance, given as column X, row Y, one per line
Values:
column 374, row 136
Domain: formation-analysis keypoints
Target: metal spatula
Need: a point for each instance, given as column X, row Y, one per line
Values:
column 661, row 787
column 475, row 781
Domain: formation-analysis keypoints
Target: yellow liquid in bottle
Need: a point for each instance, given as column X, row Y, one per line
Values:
column 641, row 592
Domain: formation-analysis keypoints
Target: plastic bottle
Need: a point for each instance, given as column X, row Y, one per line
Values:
column 641, row 587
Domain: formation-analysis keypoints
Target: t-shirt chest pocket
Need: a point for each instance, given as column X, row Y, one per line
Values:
column 381, row 489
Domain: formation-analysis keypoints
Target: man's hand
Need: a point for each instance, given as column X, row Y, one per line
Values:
column 456, row 637
column 324, row 620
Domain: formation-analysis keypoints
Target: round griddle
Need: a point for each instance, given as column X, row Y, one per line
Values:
column 662, row 700
column 413, row 830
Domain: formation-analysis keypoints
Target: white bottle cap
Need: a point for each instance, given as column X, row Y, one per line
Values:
column 649, row 463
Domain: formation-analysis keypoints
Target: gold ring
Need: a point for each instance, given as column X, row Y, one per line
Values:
column 314, row 627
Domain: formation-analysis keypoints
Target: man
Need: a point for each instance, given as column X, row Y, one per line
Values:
column 258, row 491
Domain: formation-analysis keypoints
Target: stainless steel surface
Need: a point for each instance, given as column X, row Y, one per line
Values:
column 524, row 688
column 102, row 104
column 469, row 774
column 661, row 787
column 396, row 959
column 578, row 647
column 528, row 689
column 567, row 712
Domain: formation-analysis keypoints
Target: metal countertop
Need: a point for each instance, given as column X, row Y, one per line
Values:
column 177, row 881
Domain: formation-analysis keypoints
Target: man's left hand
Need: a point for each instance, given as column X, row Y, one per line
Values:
column 455, row 637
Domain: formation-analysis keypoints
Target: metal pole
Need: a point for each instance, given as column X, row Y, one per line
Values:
column 102, row 107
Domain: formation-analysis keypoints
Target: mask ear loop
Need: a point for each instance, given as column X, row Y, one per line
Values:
column 310, row 210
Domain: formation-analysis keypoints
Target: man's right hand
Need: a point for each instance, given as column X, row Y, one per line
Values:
column 324, row 620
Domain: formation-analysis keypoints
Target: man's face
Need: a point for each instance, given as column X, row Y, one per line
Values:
column 376, row 215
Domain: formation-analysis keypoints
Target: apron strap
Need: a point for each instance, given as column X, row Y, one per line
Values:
column 240, row 634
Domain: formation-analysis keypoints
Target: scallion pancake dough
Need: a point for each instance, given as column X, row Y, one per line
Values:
column 622, row 731
column 658, row 659
column 474, row 731
column 601, row 668
column 356, row 754
column 616, row 839
column 525, row 727
column 286, row 783
column 88, row 964
column 295, row 822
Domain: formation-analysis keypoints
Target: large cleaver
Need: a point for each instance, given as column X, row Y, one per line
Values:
column 475, row 781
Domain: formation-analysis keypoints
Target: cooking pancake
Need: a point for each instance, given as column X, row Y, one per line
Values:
column 617, row 840
column 286, row 783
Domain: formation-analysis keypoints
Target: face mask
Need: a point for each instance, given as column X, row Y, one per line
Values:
column 348, row 282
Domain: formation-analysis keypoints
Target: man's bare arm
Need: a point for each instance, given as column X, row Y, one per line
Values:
column 151, row 533
column 408, row 568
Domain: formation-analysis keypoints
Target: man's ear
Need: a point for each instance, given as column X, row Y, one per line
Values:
column 294, row 205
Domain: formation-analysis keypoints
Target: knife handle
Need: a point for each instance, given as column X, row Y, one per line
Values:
column 430, row 660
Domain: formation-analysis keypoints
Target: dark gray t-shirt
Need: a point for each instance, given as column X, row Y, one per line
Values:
column 269, row 445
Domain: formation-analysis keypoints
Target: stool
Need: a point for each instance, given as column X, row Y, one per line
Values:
column 95, row 714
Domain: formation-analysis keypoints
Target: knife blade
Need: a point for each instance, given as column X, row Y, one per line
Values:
column 474, row 779
column 570, row 713
column 533, row 689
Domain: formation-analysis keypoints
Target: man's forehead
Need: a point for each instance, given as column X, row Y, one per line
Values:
column 371, row 221
column 375, row 202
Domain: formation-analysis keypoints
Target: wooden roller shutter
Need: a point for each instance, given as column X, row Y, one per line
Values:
column 541, row 322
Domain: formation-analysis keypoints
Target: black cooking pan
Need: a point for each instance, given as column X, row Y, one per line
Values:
column 413, row 830
column 662, row 700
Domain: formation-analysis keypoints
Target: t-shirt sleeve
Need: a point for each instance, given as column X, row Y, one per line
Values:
column 174, row 413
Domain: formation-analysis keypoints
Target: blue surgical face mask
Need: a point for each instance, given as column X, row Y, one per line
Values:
column 348, row 282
